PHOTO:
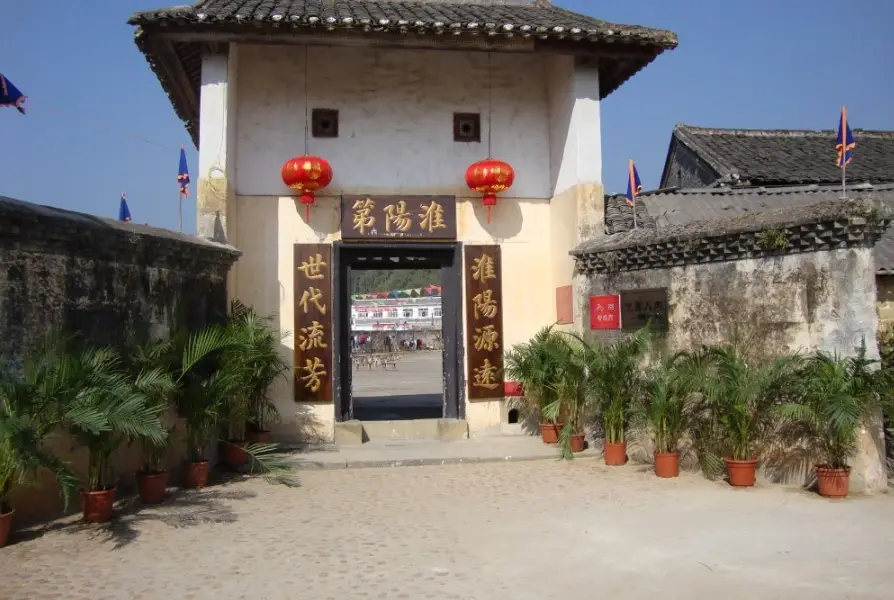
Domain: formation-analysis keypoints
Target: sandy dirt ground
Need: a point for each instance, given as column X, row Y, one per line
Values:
column 530, row 530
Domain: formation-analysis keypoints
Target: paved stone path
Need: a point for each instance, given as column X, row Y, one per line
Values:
column 518, row 531
column 414, row 390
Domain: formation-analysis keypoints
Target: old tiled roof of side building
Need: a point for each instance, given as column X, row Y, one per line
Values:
column 673, row 207
column 173, row 39
column 785, row 157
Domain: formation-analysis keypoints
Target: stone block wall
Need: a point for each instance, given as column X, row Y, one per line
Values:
column 100, row 279
column 796, row 279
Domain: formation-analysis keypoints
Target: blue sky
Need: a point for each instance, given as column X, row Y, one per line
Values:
column 98, row 122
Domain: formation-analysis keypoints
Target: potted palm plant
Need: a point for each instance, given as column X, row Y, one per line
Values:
column 664, row 410
column 572, row 358
column 264, row 365
column 835, row 397
column 740, row 397
column 615, row 380
column 535, row 365
column 202, row 386
column 146, row 361
column 31, row 408
column 102, row 387
column 249, row 410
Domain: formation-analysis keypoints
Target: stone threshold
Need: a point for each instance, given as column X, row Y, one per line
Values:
column 415, row 453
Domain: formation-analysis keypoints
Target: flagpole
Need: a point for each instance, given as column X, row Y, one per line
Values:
column 634, row 212
column 843, row 178
column 180, row 212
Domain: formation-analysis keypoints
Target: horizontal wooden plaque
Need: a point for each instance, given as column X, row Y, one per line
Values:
column 410, row 218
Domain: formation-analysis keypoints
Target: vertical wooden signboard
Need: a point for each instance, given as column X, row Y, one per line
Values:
column 484, row 321
column 313, row 323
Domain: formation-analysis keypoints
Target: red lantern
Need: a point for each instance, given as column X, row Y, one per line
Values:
column 307, row 174
column 490, row 177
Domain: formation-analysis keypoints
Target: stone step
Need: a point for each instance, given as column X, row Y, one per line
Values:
column 359, row 432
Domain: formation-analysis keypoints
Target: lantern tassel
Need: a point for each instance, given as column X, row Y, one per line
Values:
column 488, row 213
column 307, row 198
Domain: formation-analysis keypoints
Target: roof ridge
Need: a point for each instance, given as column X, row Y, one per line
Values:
column 696, row 130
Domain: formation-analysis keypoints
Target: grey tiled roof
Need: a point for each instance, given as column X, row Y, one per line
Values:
column 620, row 50
column 670, row 208
column 501, row 18
column 784, row 157
column 619, row 215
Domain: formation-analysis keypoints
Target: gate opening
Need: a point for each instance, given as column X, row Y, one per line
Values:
column 398, row 330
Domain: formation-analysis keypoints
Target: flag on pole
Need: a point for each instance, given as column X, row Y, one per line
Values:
column 845, row 142
column 10, row 95
column 634, row 185
column 123, row 211
column 183, row 174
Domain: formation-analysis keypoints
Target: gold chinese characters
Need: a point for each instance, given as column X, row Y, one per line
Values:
column 483, row 268
column 313, row 322
column 484, row 327
column 313, row 296
column 314, row 371
column 403, row 217
column 312, row 267
column 313, row 336
column 363, row 217
column 432, row 217
column 485, row 305
column 486, row 375
column 397, row 217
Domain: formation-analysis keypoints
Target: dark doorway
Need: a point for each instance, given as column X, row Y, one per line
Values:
column 351, row 259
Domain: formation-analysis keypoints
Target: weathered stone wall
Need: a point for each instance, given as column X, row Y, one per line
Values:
column 797, row 279
column 100, row 279
column 817, row 301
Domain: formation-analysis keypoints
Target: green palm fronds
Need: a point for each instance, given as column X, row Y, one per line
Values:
column 665, row 408
column 536, row 365
column 736, row 399
column 615, row 380
column 834, row 397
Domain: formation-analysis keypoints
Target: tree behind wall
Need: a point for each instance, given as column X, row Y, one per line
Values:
column 366, row 282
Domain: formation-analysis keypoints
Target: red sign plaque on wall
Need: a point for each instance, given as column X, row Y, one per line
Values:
column 605, row 312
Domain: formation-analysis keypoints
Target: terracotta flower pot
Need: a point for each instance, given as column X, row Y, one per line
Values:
column 196, row 475
column 832, row 482
column 741, row 472
column 550, row 432
column 98, row 505
column 152, row 486
column 615, row 455
column 578, row 442
column 264, row 436
column 667, row 465
column 233, row 454
column 5, row 526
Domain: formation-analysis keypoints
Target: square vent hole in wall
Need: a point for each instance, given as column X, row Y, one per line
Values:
column 466, row 127
column 324, row 123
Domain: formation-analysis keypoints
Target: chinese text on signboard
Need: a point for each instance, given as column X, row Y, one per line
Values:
column 398, row 217
column 644, row 307
column 313, row 323
column 605, row 312
column 484, row 321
